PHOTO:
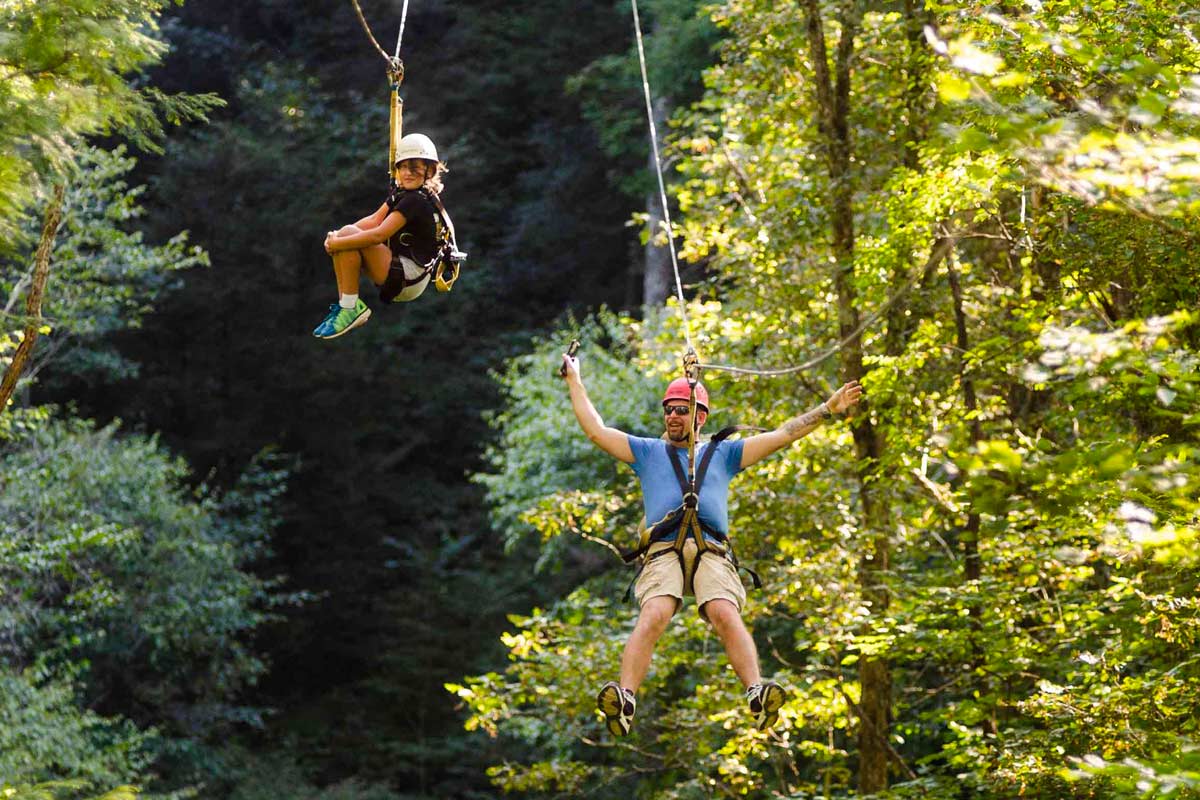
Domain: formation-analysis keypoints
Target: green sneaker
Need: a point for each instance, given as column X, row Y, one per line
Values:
column 342, row 320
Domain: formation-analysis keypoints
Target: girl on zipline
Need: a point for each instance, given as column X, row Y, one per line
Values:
column 397, row 245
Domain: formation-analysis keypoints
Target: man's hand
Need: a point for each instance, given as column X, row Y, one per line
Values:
column 570, row 366
column 610, row 440
column 841, row 400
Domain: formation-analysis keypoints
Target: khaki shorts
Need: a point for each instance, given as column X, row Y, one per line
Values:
column 712, row 579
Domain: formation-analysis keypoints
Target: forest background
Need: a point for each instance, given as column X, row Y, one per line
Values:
column 238, row 562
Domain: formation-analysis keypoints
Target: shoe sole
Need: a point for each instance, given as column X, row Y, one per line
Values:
column 359, row 320
column 773, row 698
column 610, row 703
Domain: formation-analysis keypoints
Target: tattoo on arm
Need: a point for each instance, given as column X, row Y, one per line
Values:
column 798, row 426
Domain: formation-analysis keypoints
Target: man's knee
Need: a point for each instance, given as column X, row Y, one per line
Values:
column 722, row 614
column 657, row 612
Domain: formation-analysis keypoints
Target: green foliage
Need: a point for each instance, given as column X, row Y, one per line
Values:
column 1172, row 777
column 1035, row 396
column 104, row 278
column 56, row 790
column 68, row 71
column 44, row 735
column 1094, row 98
column 111, row 563
column 267, row 777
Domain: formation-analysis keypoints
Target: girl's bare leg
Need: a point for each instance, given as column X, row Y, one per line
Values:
column 348, row 264
column 377, row 261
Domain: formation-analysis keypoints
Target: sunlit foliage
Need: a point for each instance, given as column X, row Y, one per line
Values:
column 1035, row 390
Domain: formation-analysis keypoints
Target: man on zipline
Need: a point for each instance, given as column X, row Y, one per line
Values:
column 714, row 581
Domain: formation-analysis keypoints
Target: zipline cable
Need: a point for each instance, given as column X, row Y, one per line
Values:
column 395, row 76
column 691, row 361
column 662, row 189
column 400, row 36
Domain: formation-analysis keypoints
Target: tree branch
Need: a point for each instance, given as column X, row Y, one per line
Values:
column 33, row 303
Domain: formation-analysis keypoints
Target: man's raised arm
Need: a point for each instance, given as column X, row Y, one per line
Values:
column 756, row 448
column 610, row 440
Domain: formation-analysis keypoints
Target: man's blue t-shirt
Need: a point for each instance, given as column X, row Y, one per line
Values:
column 660, row 487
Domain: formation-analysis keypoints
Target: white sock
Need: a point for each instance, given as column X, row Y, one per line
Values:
column 348, row 301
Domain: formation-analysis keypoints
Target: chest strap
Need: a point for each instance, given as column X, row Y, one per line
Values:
column 685, row 520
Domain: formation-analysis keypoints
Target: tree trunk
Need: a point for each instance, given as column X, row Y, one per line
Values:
column 33, row 301
column 657, row 276
column 833, row 103
column 900, row 323
column 972, row 566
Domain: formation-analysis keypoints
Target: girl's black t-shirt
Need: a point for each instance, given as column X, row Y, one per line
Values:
column 418, row 238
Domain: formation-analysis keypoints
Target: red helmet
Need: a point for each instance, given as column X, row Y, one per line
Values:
column 678, row 390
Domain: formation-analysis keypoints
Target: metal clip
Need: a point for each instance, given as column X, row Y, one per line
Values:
column 395, row 72
column 571, row 351
column 691, row 367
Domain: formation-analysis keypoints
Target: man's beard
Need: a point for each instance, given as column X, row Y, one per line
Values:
column 680, row 437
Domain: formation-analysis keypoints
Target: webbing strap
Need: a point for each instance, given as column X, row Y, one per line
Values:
column 454, row 257
column 395, row 124
column 674, row 520
column 685, row 520
column 693, row 485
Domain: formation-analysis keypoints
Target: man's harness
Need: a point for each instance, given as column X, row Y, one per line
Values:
column 685, row 521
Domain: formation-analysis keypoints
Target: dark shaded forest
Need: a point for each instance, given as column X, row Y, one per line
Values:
column 241, row 562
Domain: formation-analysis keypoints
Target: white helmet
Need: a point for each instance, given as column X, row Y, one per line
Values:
column 416, row 145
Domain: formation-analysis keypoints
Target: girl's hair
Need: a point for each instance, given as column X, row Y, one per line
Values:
column 434, row 182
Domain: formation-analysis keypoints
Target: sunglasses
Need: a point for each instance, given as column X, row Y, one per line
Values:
column 679, row 411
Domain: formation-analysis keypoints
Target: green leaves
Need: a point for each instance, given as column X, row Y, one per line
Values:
column 44, row 734
column 113, row 570
column 104, row 277
column 1035, row 394
column 67, row 71
column 1096, row 103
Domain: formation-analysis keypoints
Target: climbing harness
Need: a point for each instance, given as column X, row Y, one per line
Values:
column 410, row 282
column 684, row 521
column 445, row 266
